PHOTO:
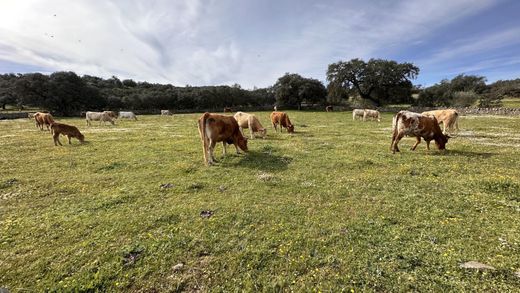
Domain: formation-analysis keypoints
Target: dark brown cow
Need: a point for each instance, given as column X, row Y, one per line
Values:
column 228, row 110
column 64, row 129
column 415, row 124
column 215, row 128
column 329, row 109
column 283, row 119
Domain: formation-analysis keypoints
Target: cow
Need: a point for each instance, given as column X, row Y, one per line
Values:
column 283, row 119
column 250, row 121
column 64, row 129
column 215, row 128
column 448, row 118
column 357, row 113
column 98, row 116
column 329, row 109
column 227, row 110
column 111, row 114
column 165, row 113
column 418, row 125
column 127, row 115
column 373, row 114
column 42, row 119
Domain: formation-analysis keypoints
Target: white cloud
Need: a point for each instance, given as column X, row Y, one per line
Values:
column 213, row 42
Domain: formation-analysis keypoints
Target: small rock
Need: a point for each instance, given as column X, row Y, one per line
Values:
column 222, row 188
column 476, row 265
column 178, row 267
column 206, row 214
column 265, row 176
column 166, row 185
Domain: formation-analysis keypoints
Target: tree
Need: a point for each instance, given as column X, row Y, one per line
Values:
column 374, row 80
column 461, row 91
column 293, row 90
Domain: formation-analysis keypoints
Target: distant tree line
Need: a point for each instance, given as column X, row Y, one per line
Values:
column 377, row 81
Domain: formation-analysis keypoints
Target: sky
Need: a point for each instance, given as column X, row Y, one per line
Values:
column 254, row 42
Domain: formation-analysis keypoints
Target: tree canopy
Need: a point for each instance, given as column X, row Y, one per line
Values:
column 292, row 90
column 379, row 81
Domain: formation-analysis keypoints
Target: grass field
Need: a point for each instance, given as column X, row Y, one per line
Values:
column 511, row 103
column 326, row 209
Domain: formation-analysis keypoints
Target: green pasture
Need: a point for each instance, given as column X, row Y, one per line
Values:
column 329, row 208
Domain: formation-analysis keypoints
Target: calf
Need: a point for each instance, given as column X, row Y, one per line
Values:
column 250, row 121
column 328, row 108
column 215, row 128
column 448, row 118
column 415, row 124
column 165, row 112
column 64, row 129
column 99, row 116
column 357, row 113
column 283, row 119
column 127, row 115
column 373, row 114
column 112, row 114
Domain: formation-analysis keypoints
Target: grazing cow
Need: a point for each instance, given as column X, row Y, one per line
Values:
column 358, row 113
column 112, row 114
column 127, row 115
column 165, row 113
column 448, row 118
column 250, row 121
column 283, row 119
column 64, row 129
column 329, row 109
column 227, row 110
column 98, row 116
column 42, row 119
column 215, row 128
column 373, row 114
column 415, row 124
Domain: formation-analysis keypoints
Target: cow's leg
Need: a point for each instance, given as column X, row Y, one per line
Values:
column 68, row 136
column 211, row 149
column 418, row 138
column 250, row 125
column 398, row 137
column 427, row 144
column 56, row 137
column 224, row 148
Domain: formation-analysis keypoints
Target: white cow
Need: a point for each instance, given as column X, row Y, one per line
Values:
column 374, row 114
column 127, row 115
column 98, row 116
column 165, row 112
column 250, row 121
column 357, row 113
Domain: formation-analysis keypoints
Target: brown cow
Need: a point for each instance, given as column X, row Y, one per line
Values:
column 64, row 129
column 283, row 119
column 329, row 109
column 415, row 124
column 215, row 128
column 448, row 118
column 42, row 119
column 227, row 110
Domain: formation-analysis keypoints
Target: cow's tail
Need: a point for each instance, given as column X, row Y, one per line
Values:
column 395, row 119
column 203, row 135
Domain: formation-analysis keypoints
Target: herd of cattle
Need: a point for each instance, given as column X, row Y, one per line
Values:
column 214, row 128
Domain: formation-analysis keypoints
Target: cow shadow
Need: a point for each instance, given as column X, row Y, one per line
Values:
column 460, row 153
column 263, row 160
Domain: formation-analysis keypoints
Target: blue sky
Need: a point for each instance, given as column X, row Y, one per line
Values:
column 254, row 42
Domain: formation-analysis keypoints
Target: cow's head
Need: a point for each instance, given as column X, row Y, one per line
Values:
column 263, row 132
column 81, row 138
column 441, row 141
column 242, row 143
column 290, row 128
